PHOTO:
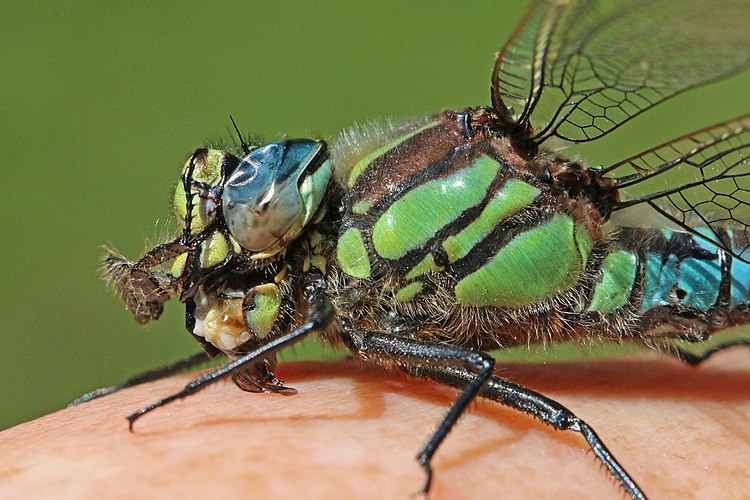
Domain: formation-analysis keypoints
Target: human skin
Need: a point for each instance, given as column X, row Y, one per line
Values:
column 353, row 432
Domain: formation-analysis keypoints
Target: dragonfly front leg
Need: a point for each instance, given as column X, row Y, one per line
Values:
column 148, row 376
column 407, row 353
column 319, row 316
column 530, row 402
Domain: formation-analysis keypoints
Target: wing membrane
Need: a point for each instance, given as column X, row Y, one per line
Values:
column 710, row 172
column 582, row 68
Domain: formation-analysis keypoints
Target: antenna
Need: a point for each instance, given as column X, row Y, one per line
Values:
column 245, row 147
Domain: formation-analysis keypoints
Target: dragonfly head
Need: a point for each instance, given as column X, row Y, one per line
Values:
column 265, row 199
column 255, row 205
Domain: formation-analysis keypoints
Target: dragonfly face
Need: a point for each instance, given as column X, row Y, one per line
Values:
column 428, row 242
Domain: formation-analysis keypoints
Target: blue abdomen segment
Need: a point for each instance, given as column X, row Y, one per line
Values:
column 686, row 271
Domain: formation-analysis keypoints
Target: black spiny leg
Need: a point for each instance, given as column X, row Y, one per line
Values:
column 406, row 352
column 320, row 315
column 142, row 378
column 527, row 401
column 694, row 359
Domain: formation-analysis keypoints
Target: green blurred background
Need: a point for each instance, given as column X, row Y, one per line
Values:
column 101, row 102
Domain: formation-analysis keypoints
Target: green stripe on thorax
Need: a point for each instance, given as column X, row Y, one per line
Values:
column 416, row 217
column 425, row 265
column 362, row 164
column 409, row 291
column 513, row 196
column 413, row 153
column 537, row 264
column 362, row 206
column 351, row 254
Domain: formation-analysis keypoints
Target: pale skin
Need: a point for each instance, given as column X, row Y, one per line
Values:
column 353, row 432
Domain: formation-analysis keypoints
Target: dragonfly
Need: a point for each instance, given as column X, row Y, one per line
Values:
column 421, row 245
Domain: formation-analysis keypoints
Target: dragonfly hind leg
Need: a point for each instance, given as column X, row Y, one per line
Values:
column 694, row 359
column 532, row 403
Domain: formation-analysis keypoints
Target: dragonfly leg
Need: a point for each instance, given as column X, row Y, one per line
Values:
column 319, row 316
column 148, row 376
column 695, row 359
column 406, row 352
column 527, row 401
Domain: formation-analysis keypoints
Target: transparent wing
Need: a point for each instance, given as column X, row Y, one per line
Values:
column 710, row 172
column 581, row 68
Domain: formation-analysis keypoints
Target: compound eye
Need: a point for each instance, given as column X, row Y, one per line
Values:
column 202, row 172
column 274, row 192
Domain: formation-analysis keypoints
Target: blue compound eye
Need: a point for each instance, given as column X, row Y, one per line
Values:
column 274, row 192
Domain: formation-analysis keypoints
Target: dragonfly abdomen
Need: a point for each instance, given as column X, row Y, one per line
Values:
column 680, row 283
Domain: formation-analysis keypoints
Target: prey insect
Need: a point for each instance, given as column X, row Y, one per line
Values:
column 421, row 245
